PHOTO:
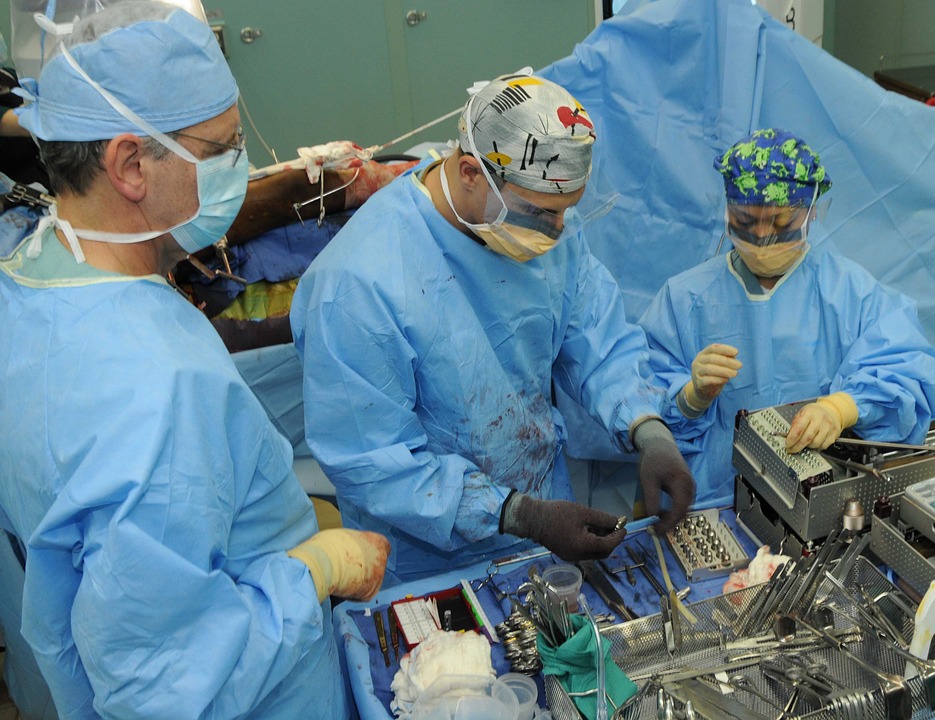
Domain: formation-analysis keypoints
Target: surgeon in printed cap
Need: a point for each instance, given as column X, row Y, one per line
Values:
column 432, row 328
column 173, row 564
column 776, row 320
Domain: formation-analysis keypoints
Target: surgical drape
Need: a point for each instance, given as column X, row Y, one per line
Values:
column 669, row 84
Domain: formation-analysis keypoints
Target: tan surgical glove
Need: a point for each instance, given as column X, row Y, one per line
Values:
column 346, row 563
column 820, row 423
column 712, row 369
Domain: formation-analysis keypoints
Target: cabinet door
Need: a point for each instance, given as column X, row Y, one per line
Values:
column 339, row 70
column 320, row 71
column 356, row 70
column 458, row 43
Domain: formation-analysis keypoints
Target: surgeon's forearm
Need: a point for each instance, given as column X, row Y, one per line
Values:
column 270, row 203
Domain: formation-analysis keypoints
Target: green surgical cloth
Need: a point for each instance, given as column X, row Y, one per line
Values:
column 573, row 665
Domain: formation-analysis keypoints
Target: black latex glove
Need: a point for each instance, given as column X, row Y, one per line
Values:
column 662, row 468
column 570, row 530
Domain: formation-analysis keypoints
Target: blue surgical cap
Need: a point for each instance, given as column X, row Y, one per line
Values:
column 169, row 70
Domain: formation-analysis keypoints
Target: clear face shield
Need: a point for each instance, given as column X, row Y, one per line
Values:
column 770, row 239
column 32, row 46
column 599, row 198
column 507, row 207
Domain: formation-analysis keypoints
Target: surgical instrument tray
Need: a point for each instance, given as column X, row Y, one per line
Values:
column 705, row 546
column 828, row 661
column 803, row 496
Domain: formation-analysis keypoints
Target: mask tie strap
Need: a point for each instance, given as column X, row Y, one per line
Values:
column 493, row 186
column 443, row 178
column 49, row 27
column 34, row 248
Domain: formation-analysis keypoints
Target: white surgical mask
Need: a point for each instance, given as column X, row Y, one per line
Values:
column 221, row 181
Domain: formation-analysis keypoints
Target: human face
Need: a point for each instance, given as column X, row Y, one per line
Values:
column 205, row 140
column 765, row 225
column 769, row 239
column 522, row 227
column 537, row 211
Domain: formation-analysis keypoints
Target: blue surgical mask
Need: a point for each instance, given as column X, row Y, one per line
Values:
column 222, row 187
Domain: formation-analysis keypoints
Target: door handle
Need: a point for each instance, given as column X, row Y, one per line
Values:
column 249, row 34
column 414, row 17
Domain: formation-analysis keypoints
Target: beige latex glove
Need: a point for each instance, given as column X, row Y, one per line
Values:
column 818, row 424
column 346, row 563
column 712, row 369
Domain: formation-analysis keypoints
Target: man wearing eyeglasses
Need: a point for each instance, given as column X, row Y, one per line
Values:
column 173, row 564
column 781, row 318
column 433, row 326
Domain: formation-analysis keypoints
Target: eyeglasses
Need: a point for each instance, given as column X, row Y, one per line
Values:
column 238, row 147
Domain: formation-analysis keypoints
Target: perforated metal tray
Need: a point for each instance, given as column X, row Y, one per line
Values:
column 692, row 548
column 639, row 649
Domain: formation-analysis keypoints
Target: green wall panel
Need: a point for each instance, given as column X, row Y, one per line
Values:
column 355, row 70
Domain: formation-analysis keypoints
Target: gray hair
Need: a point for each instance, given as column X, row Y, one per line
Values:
column 73, row 166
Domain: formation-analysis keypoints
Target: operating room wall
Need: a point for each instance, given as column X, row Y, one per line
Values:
column 865, row 30
column 336, row 70
column 371, row 70
column 368, row 71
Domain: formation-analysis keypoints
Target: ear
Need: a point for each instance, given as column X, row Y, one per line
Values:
column 470, row 174
column 124, row 167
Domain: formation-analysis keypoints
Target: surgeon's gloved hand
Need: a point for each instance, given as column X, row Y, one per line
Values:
column 712, row 369
column 570, row 530
column 662, row 468
column 371, row 176
column 343, row 562
column 818, row 424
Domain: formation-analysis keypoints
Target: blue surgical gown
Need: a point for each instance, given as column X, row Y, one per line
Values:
column 828, row 326
column 156, row 503
column 428, row 361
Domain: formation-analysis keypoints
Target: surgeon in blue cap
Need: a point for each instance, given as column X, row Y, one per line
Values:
column 173, row 564
column 776, row 320
column 433, row 326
